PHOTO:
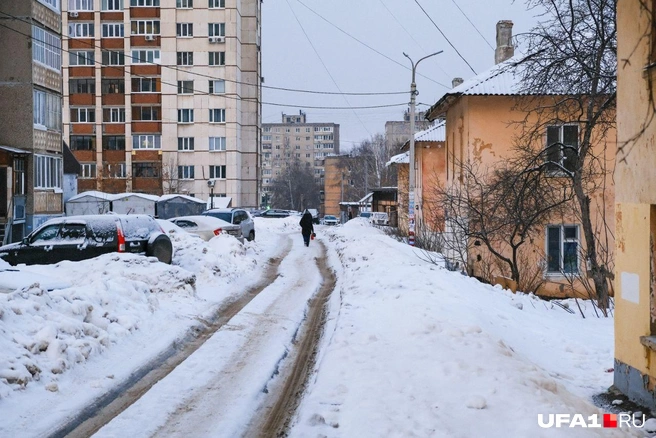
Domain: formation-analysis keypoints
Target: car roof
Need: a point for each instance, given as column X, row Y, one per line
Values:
column 210, row 221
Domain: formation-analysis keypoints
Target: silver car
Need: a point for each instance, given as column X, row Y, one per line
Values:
column 236, row 216
column 206, row 226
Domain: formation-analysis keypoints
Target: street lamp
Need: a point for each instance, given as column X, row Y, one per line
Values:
column 411, row 182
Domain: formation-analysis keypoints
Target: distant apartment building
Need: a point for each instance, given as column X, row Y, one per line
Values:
column 397, row 132
column 164, row 96
column 295, row 138
column 31, row 161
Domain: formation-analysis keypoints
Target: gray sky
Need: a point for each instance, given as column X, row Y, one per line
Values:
column 386, row 26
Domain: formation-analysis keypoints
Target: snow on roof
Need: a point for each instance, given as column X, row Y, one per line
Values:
column 153, row 198
column 502, row 79
column 175, row 195
column 435, row 133
column 367, row 198
column 402, row 158
column 93, row 194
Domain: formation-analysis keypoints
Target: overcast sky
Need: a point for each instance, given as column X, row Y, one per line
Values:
column 301, row 49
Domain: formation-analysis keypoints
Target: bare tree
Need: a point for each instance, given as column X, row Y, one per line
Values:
column 295, row 188
column 170, row 180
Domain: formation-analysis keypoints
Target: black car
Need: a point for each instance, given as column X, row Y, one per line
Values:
column 77, row 238
column 275, row 214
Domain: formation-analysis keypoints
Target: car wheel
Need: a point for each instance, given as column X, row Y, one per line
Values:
column 161, row 248
column 251, row 236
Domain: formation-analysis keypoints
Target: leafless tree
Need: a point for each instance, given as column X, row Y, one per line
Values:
column 295, row 188
column 170, row 180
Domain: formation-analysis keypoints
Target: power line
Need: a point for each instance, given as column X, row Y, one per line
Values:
column 445, row 37
column 473, row 25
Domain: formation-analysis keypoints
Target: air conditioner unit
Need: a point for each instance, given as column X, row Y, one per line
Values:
column 217, row 39
column 150, row 37
column 73, row 14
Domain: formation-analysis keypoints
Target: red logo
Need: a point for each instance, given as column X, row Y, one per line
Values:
column 610, row 420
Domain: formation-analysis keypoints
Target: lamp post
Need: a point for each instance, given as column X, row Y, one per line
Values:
column 411, row 182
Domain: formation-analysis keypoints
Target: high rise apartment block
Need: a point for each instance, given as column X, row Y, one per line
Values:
column 164, row 96
column 295, row 139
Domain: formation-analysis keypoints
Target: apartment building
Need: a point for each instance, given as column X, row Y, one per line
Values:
column 295, row 138
column 31, row 161
column 164, row 96
column 397, row 132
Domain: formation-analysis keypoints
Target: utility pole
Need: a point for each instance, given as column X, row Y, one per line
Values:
column 411, row 182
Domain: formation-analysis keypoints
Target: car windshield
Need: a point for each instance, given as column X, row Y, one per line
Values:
column 330, row 218
column 226, row 216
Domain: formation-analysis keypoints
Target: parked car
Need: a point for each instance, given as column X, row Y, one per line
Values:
column 365, row 214
column 235, row 216
column 207, row 227
column 77, row 238
column 272, row 213
column 330, row 220
column 379, row 218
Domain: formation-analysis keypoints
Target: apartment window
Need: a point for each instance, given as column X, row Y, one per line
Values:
column 82, row 86
column 113, row 57
column 83, row 143
column 216, row 4
column 146, row 113
column 216, row 29
column 145, row 56
column 217, row 58
column 114, row 115
column 185, row 87
column 47, row 172
column 113, row 143
column 116, row 170
column 112, row 30
column 81, row 57
column 185, row 143
column 186, row 172
column 308, row 155
column 217, row 87
column 83, row 115
column 80, row 30
column 185, row 58
column 53, row 4
column 146, row 169
column 266, row 138
column 217, row 143
column 46, row 48
column 184, row 29
column 145, row 27
column 144, row 2
column 112, row 86
column 328, row 145
column 47, row 110
column 80, row 5
column 186, row 115
column 146, row 142
column 266, row 129
column 217, row 172
column 145, row 85
column 327, row 129
column 217, row 115
column 184, row 4
column 20, row 185
column 111, row 5
column 307, row 129
column 87, row 170
column 298, row 147
column 562, row 147
column 562, row 249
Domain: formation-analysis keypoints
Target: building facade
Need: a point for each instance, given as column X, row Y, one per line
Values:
column 397, row 132
column 164, row 96
column 31, row 161
column 295, row 138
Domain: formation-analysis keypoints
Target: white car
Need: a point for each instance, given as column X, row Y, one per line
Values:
column 379, row 218
column 330, row 220
column 207, row 226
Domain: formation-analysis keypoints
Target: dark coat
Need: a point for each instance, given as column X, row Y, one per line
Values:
column 307, row 227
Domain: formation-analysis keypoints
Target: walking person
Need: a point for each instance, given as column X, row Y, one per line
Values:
column 307, row 228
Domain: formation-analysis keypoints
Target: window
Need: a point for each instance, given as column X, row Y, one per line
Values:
column 20, row 185
column 83, row 143
column 113, row 143
column 185, row 58
column 185, row 87
column 111, row 57
column 266, row 138
column 562, row 147
column 114, row 115
column 562, row 249
column 144, row 85
column 185, row 143
column 145, row 113
column 46, row 48
column 144, row 2
column 80, row 30
column 80, row 5
column 146, row 169
column 215, row 4
column 83, row 115
column 111, row 5
column 217, row 58
column 186, row 172
column 53, row 4
column 184, row 29
column 47, row 172
column 216, row 29
column 145, row 56
column 87, row 170
column 81, row 57
column 111, row 86
column 217, row 115
column 146, row 142
column 184, row 4
column 217, row 143
column 47, row 110
column 81, row 86
column 218, row 87
column 116, row 170
column 217, row 172
column 185, row 115
column 145, row 27
column 112, row 30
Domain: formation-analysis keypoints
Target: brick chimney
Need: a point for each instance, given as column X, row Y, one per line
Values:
column 505, row 49
column 456, row 81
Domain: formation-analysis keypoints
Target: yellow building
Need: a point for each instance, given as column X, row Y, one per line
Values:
column 635, row 176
